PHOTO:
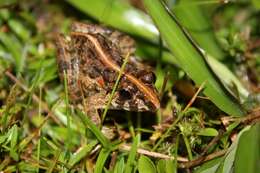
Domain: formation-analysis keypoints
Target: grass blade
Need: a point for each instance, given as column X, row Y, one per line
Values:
column 99, row 135
column 102, row 157
column 82, row 153
column 132, row 155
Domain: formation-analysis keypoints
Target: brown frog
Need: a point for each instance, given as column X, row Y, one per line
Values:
column 91, row 56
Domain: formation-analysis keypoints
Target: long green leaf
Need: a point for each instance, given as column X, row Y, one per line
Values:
column 119, row 15
column 191, row 58
column 145, row 165
column 120, row 165
column 210, row 166
column 198, row 26
column 82, row 153
column 132, row 154
column 102, row 157
column 248, row 151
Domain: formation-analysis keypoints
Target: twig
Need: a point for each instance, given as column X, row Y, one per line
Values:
column 202, row 159
column 194, row 96
column 127, row 147
column 251, row 118
column 212, row 142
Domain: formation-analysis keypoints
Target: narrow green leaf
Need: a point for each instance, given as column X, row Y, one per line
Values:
column 145, row 165
column 248, row 151
column 14, row 138
column 120, row 166
column 166, row 166
column 3, row 138
column 160, row 166
column 210, row 166
column 115, row 87
column 88, row 123
column 191, row 58
column 131, row 158
column 76, row 157
column 102, row 157
column 208, row 132
column 19, row 29
column 68, row 113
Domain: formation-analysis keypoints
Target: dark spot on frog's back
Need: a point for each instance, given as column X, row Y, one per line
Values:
column 109, row 75
column 103, row 41
column 89, row 53
column 91, row 70
column 94, row 72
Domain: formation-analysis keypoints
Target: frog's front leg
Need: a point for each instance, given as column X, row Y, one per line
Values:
column 94, row 116
column 92, row 104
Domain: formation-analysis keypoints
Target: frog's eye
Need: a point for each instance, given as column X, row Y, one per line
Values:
column 124, row 94
column 149, row 78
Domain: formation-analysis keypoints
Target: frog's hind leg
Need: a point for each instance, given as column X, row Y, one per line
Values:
column 68, row 68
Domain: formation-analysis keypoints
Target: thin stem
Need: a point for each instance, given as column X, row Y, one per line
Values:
column 115, row 86
column 167, row 132
column 68, row 143
column 187, row 144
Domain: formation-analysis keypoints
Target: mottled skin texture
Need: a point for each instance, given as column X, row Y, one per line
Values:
column 91, row 56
